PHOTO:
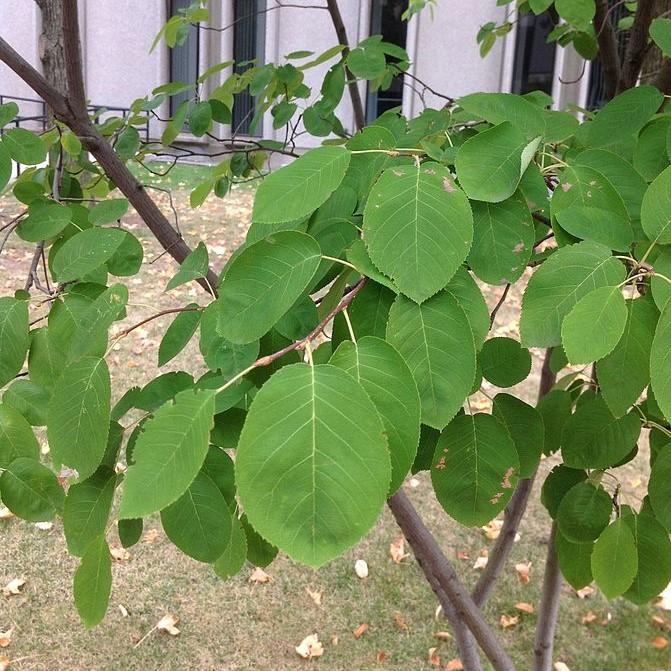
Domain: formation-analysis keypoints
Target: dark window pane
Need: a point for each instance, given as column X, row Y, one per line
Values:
column 386, row 21
column 248, row 45
column 183, row 59
column 533, row 68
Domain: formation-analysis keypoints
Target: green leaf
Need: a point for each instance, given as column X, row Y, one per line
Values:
column 46, row 359
column 79, row 414
column 659, row 487
column 259, row 551
column 660, row 362
column 8, row 112
column 656, row 209
column 14, row 338
column 499, row 107
column 584, row 512
column 179, row 333
column 587, row 206
column 559, row 126
column 127, row 143
column 576, row 12
column 86, row 251
column 367, row 61
column 29, row 399
column 45, row 219
column 504, row 362
column 127, row 259
column 31, row 491
column 263, row 282
column 298, row 189
column 168, row 454
column 130, row 532
column 660, row 31
column 463, row 288
column 559, row 481
column 93, row 583
column 5, row 167
column 594, row 326
column 525, row 426
column 107, row 211
column 474, row 471
column 653, row 550
column 436, row 341
column 568, row 275
column 386, row 378
column 593, row 438
column 162, row 389
column 575, row 561
column 87, row 508
column 490, row 164
column 418, row 228
column 622, row 117
column 358, row 256
column 614, row 559
column 199, row 521
column 555, row 409
column 503, row 240
column 648, row 159
column 24, row 147
column 233, row 558
column 16, row 437
column 200, row 118
column 194, row 266
column 625, row 372
column 312, row 465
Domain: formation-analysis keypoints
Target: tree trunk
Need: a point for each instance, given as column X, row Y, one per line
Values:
column 52, row 54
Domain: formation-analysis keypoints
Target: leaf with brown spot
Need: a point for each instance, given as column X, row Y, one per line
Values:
column 310, row 647
column 360, row 630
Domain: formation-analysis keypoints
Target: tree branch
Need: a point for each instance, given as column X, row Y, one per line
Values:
column 549, row 608
column 433, row 562
column 608, row 52
column 74, row 68
column 355, row 94
column 638, row 45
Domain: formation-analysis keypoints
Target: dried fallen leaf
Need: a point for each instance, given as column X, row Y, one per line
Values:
column 588, row 617
column 382, row 656
column 400, row 622
column 523, row 572
column 560, row 666
column 315, row 595
column 13, row 587
column 585, row 592
column 168, row 624
column 44, row 526
column 658, row 622
column 361, row 568
column 150, row 536
column 434, row 658
column 119, row 554
column 397, row 550
column 665, row 598
column 492, row 529
column 259, row 576
column 123, row 610
column 5, row 638
column 310, row 647
column 454, row 665
column 509, row 621
column 5, row 513
column 480, row 563
column 462, row 555
column 659, row 642
column 525, row 607
column 443, row 635
column 4, row 663
column 360, row 630
column 334, row 639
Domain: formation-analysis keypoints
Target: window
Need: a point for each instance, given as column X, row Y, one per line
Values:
column 183, row 58
column 249, row 32
column 534, row 64
column 386, row 21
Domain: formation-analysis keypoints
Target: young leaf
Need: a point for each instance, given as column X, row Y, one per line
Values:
column 78, row 415
column 93, row 582
column 168, row 454
column 594, row 326
column 503, row 240
column 298, row 189
column 16, row 437
column 194, row 266
column 87, row 508
column 504, row 362
column 474, row 471
column 562, row 280
column 418, row 228
column 199, row 521
column 14, row 338
column 614, row 559
column 31, row 491
column 86, row 251
column 263, row 282
column 179, row 333
column 584, row 512
column 436, row 341
column 385, row 376
column 312, row 465
column 625, row 372
column 491, row 163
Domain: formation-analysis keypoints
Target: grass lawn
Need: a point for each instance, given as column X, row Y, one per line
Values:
column 241, row 626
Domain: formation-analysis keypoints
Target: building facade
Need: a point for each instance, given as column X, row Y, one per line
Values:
column 119, row 67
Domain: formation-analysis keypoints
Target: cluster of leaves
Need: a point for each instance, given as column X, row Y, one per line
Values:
column 376, row 240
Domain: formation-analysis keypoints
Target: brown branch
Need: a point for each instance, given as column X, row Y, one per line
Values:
column 114, row 168
column 638, row 45
column 74, row 68
column 162, row 313
column 355, row 94
column 549, row 608
column 433, row 562
column 663, row 79
column 499, row 305
column 608, row 51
